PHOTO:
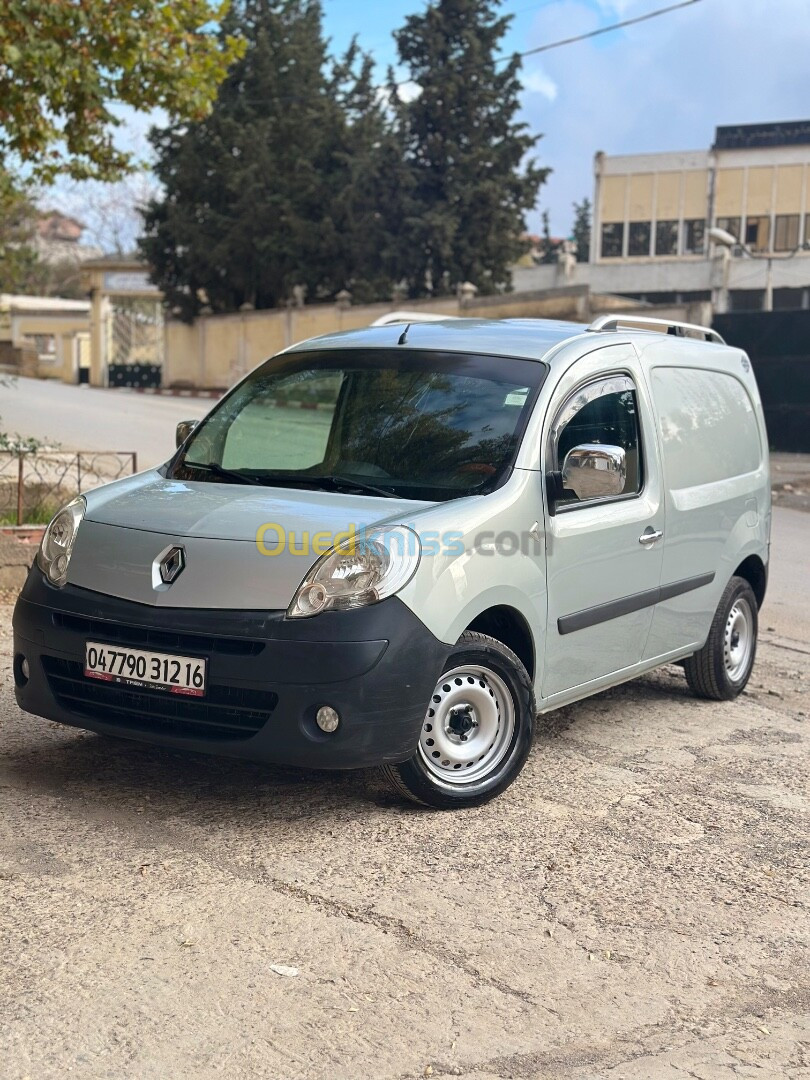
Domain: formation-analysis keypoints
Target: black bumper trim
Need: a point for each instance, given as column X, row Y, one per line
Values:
column 377, row 666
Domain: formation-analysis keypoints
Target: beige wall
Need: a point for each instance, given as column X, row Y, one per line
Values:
column 218, row 349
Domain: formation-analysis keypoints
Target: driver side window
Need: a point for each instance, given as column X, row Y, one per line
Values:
column 604, row 411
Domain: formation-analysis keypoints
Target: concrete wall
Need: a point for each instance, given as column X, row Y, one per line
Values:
column 672, row 275
column 216, row 350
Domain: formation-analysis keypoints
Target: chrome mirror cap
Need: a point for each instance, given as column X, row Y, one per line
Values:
column 594, row 471
column 184, row 429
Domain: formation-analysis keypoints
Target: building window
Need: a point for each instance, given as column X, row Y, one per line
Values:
column 666, row 238
column 786, row 232
column 757, row 233
column 638, row 238
column 747, row 299
column 612, row 240
column 694, row 237
column 788, row 299
column 731, row 225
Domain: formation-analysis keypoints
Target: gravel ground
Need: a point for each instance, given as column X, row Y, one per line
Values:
column 635, row 906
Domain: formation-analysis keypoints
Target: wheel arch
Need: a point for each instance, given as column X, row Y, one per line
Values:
column 509, row 626
column 754, row 571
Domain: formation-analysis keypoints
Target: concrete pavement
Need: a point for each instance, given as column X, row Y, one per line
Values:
column 635, row 907
column 87, row 418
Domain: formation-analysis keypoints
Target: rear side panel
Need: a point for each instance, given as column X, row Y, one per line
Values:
column 715, row 469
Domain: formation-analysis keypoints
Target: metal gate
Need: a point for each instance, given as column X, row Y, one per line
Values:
column 137, row 331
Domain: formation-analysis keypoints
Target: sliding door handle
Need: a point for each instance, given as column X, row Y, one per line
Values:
column 650, row 536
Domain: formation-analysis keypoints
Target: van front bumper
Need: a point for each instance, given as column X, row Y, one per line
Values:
column 267, row 676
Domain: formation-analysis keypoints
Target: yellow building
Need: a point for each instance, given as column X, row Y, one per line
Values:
column 653, row 212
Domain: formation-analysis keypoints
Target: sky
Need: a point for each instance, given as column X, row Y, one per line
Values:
column 663, row 84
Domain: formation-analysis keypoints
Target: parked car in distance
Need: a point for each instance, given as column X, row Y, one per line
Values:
column 394, row 548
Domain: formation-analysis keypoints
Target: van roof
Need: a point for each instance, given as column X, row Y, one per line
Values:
column 527, row 338
column 531, row 339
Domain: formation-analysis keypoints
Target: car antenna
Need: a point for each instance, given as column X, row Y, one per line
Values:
column 403, row 336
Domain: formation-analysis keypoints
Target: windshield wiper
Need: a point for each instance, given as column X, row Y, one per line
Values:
column 218, row 470
column 339, row 482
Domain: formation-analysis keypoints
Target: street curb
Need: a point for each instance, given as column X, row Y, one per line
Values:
column 168, row 391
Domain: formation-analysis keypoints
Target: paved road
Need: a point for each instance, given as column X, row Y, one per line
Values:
column 86, row 418
column 787, row 605
column 634, row 907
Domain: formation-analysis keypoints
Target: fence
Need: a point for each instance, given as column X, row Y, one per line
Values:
column 35, row 483
column 137, row 375
column 778, row 343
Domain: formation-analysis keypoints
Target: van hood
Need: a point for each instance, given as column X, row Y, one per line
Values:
column 131, row 524
column 151, row 503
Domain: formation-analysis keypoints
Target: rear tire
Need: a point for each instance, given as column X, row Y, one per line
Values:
column 720, row 670
column 477, row 731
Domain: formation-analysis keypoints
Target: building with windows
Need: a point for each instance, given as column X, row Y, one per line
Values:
column 652, row 215
column 653, row 212
column 58, row 239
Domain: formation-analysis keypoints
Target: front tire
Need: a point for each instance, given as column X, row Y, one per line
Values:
column 477, row 730
column 720, row 670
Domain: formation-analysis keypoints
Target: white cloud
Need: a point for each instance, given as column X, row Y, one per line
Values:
column 664, row 84
column 409, row 91
column 539, row 82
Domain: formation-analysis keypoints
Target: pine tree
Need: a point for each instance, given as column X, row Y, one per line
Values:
column 246, row 214
column 550, row 247
column 581, row 232
column 369, row 182
column 470, row 185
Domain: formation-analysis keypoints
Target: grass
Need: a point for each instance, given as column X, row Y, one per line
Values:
column 32, row 515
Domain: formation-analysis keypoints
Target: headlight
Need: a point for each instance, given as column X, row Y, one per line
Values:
column 362, row 571
column 58, row 540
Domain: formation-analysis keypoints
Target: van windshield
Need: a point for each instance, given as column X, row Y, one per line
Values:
column 406, row 423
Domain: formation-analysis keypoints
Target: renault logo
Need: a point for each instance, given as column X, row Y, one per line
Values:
column 172, row 564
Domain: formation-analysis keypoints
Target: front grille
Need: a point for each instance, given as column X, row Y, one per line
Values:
column 149, row 637
column 226, row 712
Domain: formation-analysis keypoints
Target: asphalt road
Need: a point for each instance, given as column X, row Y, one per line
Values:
column 635, row 907
column 86, row 418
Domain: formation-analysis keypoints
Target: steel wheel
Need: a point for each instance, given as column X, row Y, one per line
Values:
column 720, row 670
column 738, row 639
column 469, row 725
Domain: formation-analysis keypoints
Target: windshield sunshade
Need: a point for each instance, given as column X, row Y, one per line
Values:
column 422, row 425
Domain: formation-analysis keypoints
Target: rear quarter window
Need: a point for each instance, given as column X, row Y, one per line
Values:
column 708, row 426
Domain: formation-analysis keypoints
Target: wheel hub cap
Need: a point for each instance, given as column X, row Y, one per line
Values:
column 469, row 725
column 738, row 639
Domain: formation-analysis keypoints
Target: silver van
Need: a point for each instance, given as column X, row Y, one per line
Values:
column 395, row 546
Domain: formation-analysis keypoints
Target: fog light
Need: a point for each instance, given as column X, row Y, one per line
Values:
column 22, row 669
column 327, row 719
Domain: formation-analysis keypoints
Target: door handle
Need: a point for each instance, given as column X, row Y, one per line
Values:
column 650, row 536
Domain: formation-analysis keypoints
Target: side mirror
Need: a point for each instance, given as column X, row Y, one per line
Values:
column 184, row 429
column 594, row 471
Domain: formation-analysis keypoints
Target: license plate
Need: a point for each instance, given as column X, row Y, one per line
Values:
column 137, row 667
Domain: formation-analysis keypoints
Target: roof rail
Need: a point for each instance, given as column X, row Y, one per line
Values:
column 662, row 326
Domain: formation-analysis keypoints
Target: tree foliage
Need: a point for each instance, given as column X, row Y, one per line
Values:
column 305, row 174
column 550, row 247
column 22, row 269
column 581, row 231
column 64, row 64
column 284, row 184
column 18, row 256
column 464, row 148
